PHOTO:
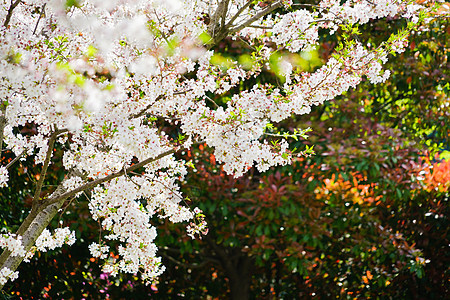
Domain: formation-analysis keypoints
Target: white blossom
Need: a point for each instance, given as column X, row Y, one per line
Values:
column 13, row 243
column 6, row 273
column 3, row 176
column 48, row 241
column 107, row 72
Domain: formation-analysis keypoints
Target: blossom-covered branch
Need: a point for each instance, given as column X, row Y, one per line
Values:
column 110, row 72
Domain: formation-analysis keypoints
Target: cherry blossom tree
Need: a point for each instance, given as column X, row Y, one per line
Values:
column 98, row 78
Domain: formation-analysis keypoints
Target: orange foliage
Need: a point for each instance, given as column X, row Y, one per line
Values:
column 437, row 176
column 350, row 190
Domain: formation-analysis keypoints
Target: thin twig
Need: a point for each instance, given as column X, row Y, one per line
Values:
column 212, row 101
column 260, row 26
column 162, row 183
column 283, row 135
column 259, row 15
column 143, row 111
column 377, row 110
column 186, row 265
column 304, row 4
column 2, row 124
column 10, row 12
column 239, row 12
column 125, row 170
column 64, row 209
column 247, row 44
column 41, row 13
column 15, row 159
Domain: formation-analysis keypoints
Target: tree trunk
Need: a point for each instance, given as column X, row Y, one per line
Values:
column 239, row 287
column 240, row 279
column 30, row 230
column 237, row 266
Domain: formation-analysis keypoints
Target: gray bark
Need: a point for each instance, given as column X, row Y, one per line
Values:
column 31, row 229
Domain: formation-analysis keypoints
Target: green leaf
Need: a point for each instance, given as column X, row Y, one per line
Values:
column 72, row 3
column 205, row 38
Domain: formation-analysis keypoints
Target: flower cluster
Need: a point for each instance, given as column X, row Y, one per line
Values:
column 13, row 243
column 99, row 251
column 3, row 176
column 109, row 73
column 127, row 220
column 296, row 31
column 359, row 11
column 200, row 226
column 6, row 274
column 48, row 241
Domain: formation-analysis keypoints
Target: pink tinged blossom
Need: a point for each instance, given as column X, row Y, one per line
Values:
column 296, row 31
column 116, row 66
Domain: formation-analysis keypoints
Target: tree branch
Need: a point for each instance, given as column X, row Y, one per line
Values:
column 30, row 230
column 187, row 265
column 224, row 13
column 220, row 13
column 41, row 14
column 48, row 156
column 259, row 15
column 14, row 160
column 221, row 253
column 2, row 125
column 217, row 29
column 94, row 183
column 10, row 12
column 142, row 112
column 239, row 12
column 260, row 27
